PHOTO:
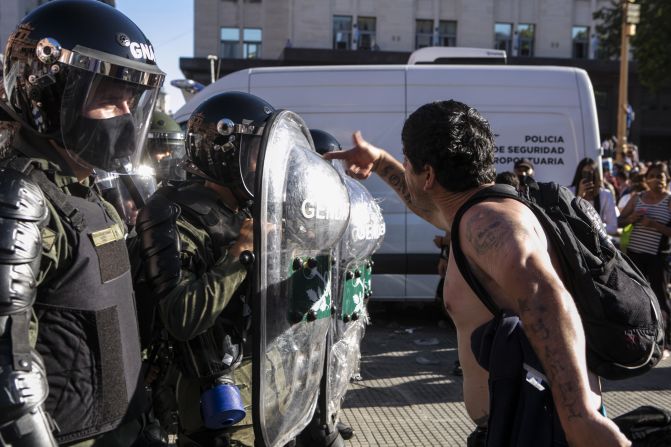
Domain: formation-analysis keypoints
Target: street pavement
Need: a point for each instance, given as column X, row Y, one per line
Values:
column 407, row 395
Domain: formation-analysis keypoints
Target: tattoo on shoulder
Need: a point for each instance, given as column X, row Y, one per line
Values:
column 486, row 231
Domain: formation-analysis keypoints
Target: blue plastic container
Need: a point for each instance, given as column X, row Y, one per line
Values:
column 222, row 406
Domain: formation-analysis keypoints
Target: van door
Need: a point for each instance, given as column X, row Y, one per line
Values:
column 340, row 100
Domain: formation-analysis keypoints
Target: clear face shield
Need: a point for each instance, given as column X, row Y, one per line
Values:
column 127, row 193
column 104, row 120
column 165, row 153
column 248, row 156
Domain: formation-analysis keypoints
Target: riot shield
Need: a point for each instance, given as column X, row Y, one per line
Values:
column 353, row 271
column 301, row 210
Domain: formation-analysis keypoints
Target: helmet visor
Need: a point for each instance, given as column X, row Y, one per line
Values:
column 104, row 120
column 165, row 153
column 249, row 154
column 127, row 201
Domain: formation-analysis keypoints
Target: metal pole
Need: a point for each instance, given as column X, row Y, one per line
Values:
column 624, row 80
column 212, row 58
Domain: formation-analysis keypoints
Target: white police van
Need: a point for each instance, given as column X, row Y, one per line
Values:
column 545, row 114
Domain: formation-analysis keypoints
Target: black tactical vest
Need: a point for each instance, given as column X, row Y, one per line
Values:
column 201, row 357
column 88, row 333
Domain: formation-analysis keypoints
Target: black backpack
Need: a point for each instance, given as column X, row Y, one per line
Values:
column 646, row 426
column 619, row 311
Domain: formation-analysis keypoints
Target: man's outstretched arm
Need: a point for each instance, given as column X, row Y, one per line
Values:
column 364, row 159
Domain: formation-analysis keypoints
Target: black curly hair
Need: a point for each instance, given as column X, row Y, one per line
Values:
column 455, row 140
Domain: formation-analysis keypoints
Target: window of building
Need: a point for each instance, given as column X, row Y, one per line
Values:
column 366, row 31
column 230, row 43
column 235, row 47
column 580, row 42
column 447, row 33
column 251, row 43
column 423, row 33
column 525, row 39
column 503, row 36
column 342, row 32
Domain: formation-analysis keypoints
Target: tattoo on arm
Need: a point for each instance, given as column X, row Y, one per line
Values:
column 392, row 174
column 568, row 392
column 538, row 318
column 536, row 323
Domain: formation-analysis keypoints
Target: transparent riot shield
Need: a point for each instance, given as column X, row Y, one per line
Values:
column 363, row 236
column 301, row 210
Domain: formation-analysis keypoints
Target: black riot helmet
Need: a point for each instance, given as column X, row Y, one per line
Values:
column 80, row 72
column 223, row 137
column 165, row 147
column 324, row 141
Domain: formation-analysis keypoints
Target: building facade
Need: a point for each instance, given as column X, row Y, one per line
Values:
column 263, row 28
column 238, row 34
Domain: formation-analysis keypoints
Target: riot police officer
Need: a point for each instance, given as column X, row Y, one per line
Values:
column 192, row 236
column 81, row 80
column 165, row 148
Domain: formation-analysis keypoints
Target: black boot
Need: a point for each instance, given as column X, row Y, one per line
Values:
column 478, row 438
column 345, row 430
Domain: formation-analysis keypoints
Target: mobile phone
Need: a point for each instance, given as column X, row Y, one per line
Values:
column 588, row 175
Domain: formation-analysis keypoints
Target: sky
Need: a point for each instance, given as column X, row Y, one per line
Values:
column 168, row 24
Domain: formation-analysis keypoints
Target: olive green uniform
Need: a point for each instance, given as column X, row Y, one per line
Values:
column 205, row 287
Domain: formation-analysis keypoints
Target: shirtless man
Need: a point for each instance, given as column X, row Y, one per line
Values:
column 448, row 157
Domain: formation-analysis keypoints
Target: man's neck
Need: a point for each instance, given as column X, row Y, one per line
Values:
column 449, row 202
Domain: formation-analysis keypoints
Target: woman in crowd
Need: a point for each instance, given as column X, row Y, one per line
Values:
column 637, row 184
column 650, row 213
column 587, row 183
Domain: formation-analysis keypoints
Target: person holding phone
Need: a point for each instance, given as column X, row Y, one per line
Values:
column 588, row 184
column 650, row 213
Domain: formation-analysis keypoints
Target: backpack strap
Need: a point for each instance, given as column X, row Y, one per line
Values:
column 496, row 191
